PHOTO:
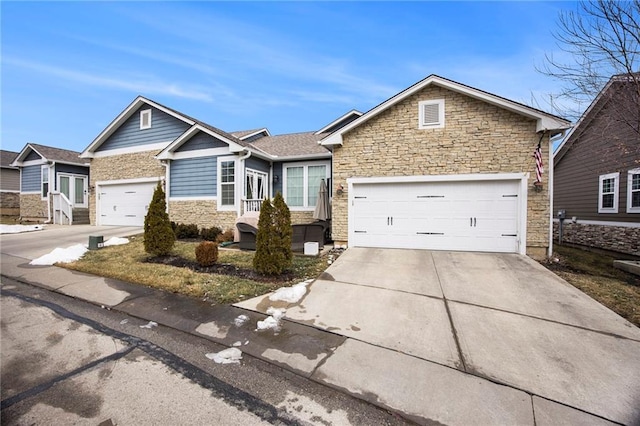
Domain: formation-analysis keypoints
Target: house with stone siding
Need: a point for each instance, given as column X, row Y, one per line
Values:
column 444, row 166
column 9, row 184
column 597, row 172
column 211, row 177
column 54, row 185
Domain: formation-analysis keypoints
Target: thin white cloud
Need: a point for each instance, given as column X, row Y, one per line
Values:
column 136, row 84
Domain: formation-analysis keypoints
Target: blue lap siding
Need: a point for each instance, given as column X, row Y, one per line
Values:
column 31, row 178
column 193, row 177
column 257, row 164
column 164, row 128
column 201, row 141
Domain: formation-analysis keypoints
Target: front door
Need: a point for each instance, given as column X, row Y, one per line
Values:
column 74, row 187
column 256, row 185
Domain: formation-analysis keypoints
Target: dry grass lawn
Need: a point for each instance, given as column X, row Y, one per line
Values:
column 594, row 274
column 127, row 263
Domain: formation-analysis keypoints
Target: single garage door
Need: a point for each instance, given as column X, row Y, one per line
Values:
column 125, row 204
column 460, row 215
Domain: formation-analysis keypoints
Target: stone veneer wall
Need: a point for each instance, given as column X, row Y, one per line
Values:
column 10, row 203
column 33, row 207
column 615, row 238
column 477, row 138
column 203, row 213
column 125, row 166
column 301, row 217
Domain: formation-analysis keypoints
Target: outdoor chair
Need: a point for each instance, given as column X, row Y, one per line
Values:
column 247, row 236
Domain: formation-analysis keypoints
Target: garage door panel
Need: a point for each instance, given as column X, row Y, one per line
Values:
column 476, row 215
column 125, row 204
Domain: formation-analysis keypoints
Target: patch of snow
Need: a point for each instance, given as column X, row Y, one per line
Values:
column 61, row 255
column 276, row 313
column 150, row 324
column 16, row 229
column 272, row 322
column 291, row 294
column 240, row 320
column 227, row 356
column 115, row 241
column 124, row 321
column 236, row 344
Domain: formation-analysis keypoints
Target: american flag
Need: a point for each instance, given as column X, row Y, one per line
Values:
column 537, row 154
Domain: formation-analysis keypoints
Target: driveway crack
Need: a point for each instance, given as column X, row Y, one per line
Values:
column 463, row 364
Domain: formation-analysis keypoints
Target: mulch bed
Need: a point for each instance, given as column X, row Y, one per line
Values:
column 221, row 269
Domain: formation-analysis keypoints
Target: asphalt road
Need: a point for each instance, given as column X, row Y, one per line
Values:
column 66, row 361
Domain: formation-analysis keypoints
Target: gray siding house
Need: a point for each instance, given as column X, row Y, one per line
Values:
column 597, row 172
column 9, row 184
column 53, row 185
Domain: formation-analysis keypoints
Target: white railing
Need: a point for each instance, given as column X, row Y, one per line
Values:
column 251, row 205
column 62, row 209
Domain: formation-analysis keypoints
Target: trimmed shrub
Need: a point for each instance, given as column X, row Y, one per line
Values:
column 184, row 231
column 158, row 235
column 207, row 253
column 210, row 234
column 225, row 236
column 273, row 240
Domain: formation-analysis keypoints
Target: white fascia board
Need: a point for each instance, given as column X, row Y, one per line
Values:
column 264, row 129
column 33, row 163
column 439, row 178
column 168, row 151
column 122, row 117
column 129, row 150
column 72, row 164
column 19, row 160
column 544, row 121
column 125, row 181
column 339, row 119
column 211, row 152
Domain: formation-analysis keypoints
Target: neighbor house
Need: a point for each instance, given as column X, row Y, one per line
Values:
column 9, row 184
column 597, row 178
column 444, row 166
column 53, row 185
column 211, row 177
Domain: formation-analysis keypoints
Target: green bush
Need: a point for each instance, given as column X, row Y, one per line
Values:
column 184, row 231
column 207, row 253
column 210, row 234
column 158, row 235
column 273, row 240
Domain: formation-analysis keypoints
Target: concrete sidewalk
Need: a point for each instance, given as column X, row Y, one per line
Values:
column 397, row 344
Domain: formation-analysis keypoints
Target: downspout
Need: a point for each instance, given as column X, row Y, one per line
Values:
column 240, row 188
column 551, row 214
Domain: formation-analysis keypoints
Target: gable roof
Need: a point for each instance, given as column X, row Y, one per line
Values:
column 293, row 145
column 544, row 120
column 246, row 134
column 6, row 158
column 590, row 113
column 340, row 122
column 49, row 153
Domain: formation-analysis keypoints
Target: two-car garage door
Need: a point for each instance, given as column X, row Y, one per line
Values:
column 453, row 215
column 124, row 204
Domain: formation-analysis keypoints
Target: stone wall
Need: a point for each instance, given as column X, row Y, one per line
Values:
column 33, row 207
column 118, row 167
column 10, row 203
column 477, row 138
column 301, row 217
column 203, row 213
column 621, row 239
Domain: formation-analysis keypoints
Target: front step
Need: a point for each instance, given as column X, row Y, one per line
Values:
column 81, row 217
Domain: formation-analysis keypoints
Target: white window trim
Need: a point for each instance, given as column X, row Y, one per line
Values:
column 305, row 175
column 143, row 113
column 440, row 123
column 43, row 170
column 630, row 174
column 616, row 190
column 219, row 205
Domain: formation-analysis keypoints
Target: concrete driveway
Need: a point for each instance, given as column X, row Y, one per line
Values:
column 475, row 338
column 31, row 245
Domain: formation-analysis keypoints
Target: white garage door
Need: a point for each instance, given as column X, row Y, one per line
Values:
column 461, row 215
column 125, row 204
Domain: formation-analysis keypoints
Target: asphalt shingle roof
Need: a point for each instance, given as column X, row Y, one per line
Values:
column 293, row 144
column 58, row 154
column 7, row 157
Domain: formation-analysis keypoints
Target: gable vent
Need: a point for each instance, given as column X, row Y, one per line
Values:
column 431, row 114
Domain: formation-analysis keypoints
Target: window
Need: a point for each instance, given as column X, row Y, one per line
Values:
column 633, row 191
column 45, row 181
column 145, row 119
column 302, row 184
column 256, row 185
column 431, row 114
column 226, row 184
column 608, row 193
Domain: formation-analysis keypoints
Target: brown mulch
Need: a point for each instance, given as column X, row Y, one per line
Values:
column 220, row 269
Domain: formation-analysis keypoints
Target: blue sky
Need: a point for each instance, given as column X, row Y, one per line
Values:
column 69, row 68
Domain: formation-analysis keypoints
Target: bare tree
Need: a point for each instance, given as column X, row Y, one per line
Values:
column 599, row 39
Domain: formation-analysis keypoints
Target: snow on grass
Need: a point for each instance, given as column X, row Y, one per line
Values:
column 115, row 241
column 291, row 294
column 227, row 356
column 61, row 255
column 16, row 229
